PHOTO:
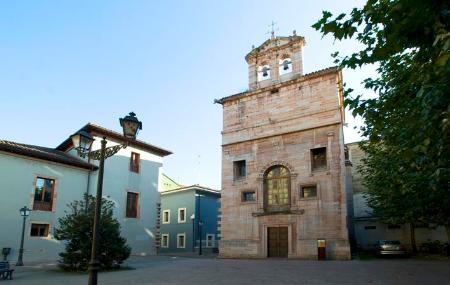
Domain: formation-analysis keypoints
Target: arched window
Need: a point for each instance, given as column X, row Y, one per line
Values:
column 285, row 66
column 263, row 72
column 277, row 185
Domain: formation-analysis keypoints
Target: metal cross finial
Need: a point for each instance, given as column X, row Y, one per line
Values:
column 272, row 29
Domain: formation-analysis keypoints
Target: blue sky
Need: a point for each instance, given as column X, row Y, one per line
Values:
column 66, row 63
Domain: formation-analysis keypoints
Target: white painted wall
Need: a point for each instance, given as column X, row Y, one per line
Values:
column 17, row 175
column 118, row 179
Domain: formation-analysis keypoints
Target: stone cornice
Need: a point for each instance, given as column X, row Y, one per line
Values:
column 261, row 51
column 301, row 78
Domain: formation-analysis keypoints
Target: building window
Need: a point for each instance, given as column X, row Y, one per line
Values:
column 394, row 227
column 165, row 240
column 43, row 194
column 277, row 184
column 248, row 196
column 135, row 161
column 182, row 215
column 319, row 158
column 239, row 169
column 181, row 240
column 132, row 205
column 308, row 191
column 39, row 230
column 370, row 227
column 209, row 240
column 166, row 217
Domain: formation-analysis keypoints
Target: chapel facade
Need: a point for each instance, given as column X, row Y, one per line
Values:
column 283, row 164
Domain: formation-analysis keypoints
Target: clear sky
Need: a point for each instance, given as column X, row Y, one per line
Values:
column 66, row 63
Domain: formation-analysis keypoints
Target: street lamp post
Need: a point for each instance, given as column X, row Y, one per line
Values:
column 82, row 141
column 193, row 231
column 200, row 224
column 24, row 212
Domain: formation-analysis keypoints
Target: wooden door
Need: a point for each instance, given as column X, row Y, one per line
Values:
column 277, row 242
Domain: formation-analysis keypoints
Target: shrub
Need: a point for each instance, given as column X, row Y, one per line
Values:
column 76, row 229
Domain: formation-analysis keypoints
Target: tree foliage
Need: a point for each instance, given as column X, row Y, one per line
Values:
column 407, row 125
column 76, row 229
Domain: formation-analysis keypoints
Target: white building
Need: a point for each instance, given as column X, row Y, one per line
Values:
column 47, row 179
column 368, row 228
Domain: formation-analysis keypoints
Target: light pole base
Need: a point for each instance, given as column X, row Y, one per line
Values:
column 93, row 272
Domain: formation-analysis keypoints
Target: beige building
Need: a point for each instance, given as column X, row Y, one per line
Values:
column 283, row 170
column 368, row 228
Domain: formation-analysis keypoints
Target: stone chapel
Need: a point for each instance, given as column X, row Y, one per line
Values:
column 283, row 165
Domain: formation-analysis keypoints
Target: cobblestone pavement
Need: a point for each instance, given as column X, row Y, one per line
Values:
column 185, row 270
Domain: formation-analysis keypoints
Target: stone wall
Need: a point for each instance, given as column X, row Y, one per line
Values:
column 279, row 126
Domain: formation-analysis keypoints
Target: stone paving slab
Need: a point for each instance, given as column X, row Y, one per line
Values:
column 183, row 270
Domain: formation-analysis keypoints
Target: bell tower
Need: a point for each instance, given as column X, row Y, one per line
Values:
column 277, row 60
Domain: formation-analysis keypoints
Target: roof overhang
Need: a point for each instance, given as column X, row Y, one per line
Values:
column 100, row 131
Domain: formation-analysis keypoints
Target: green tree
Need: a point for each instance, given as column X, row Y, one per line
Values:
column 407, row 125
column 76, row 230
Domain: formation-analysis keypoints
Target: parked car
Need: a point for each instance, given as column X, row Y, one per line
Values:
column 391, row 247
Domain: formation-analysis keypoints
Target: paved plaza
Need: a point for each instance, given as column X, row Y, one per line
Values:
column 185, row 270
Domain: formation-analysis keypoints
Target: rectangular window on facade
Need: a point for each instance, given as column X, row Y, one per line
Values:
column 394, row 227
column 166, row 217
column 135, row 161
column 132, row 205
column 165, row 240
column 239, row 168
column 181, row 240
column 370, row 227
column 319, row 158
column 209, row 240
column 182, row 215
column 39, row 230
column 308, row 191
column 43, row 194
column 248, row 196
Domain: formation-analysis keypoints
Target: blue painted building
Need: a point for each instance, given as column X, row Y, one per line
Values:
column 189, row 218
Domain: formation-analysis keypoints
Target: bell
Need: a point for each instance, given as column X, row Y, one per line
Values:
column 286, row 64
column 265, row 73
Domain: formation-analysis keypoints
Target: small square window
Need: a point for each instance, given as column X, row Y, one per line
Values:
column 135, row 161
column 319, row 158
column 209, row 240
column 166, row 217
column 370, row 227
column 165, row 240
column 308, row 191
column 181, row 241
column 248, row 196
column 39, row 230
column 394, row 227
column 182, row 215
column 240, row 170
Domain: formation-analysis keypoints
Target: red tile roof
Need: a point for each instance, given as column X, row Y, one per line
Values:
column 44, row 153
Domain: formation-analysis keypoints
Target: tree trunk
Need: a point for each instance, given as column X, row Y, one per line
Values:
column 413, row 238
